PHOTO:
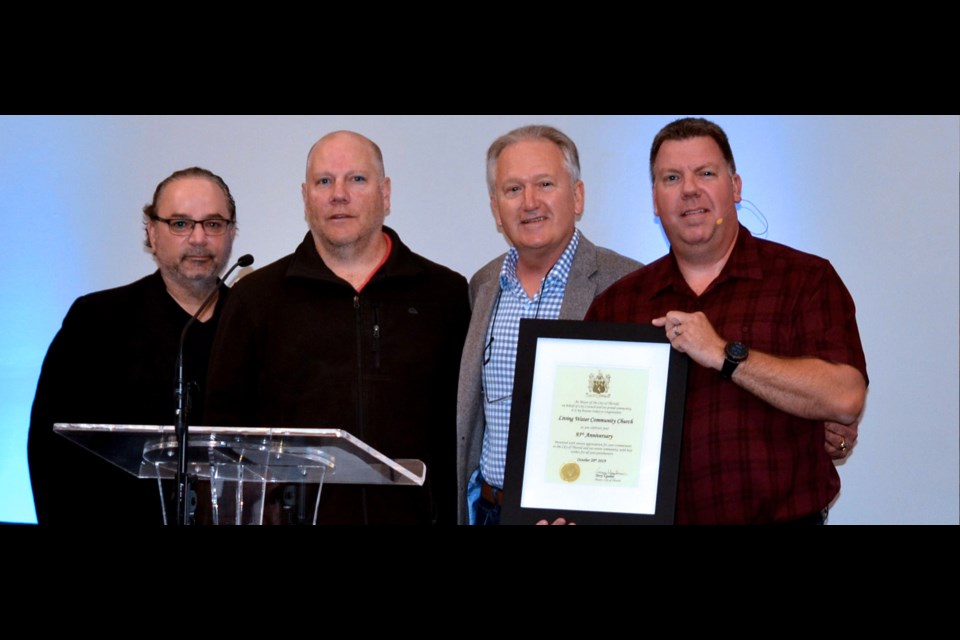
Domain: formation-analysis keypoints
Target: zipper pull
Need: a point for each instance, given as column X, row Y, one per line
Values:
column 376, row 336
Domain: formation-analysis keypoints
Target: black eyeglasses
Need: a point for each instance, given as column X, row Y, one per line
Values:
column 184, row 226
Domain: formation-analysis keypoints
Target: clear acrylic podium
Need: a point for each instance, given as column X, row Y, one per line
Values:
column 240, row 462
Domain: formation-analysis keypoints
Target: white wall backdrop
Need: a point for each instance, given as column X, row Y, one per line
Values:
column 878, row 195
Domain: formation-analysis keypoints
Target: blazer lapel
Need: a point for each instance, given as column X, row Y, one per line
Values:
column 581, row 289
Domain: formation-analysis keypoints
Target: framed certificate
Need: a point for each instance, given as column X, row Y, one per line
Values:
column 595, row 425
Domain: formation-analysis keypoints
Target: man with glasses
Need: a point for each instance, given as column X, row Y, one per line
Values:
column 551, row 272
column 113, row 360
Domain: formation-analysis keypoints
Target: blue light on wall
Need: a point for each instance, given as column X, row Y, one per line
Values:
column 45, row 172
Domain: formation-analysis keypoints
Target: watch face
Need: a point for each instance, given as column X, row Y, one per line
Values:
column 737, row 351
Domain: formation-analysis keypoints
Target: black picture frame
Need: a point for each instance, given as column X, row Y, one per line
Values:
column 583, row 337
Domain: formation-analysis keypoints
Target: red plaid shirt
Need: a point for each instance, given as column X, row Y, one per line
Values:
column 744, row 461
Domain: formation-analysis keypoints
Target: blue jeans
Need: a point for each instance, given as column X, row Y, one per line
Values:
column 480, row 511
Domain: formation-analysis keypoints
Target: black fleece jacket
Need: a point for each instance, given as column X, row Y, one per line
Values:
column 297, row 346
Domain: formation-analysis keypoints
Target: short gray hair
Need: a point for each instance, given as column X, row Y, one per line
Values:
column 571, row 157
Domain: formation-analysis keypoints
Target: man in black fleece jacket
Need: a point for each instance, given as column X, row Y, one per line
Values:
column 352, row 331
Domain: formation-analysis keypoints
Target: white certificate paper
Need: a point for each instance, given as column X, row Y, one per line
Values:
column 595, row 429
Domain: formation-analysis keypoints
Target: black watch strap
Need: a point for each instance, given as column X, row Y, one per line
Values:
column 729, row 366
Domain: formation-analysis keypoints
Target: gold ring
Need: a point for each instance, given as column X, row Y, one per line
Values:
column 843, row 444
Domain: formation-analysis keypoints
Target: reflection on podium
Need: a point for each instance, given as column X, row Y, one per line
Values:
column 247, row 475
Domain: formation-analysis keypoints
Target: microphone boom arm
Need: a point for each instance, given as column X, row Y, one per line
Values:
column 182, row 393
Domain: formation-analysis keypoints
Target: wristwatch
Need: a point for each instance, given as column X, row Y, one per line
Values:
column 734, row 353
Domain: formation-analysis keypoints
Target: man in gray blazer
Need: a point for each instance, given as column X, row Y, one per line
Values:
column 551, row 272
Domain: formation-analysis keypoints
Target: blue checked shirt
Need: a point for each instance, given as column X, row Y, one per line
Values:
column 513, row 304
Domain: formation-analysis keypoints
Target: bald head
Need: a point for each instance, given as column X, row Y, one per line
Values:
column 376, row 154
column 346, row 196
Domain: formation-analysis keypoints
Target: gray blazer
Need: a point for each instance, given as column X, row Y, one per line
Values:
column 593, row 270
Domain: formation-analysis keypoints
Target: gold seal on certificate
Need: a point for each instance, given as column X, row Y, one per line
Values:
column 570, row 472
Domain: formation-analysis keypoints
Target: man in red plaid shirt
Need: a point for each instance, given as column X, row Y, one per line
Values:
column 773, row 339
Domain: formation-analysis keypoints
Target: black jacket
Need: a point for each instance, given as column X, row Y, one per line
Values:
column 298, row 346
column 112, row 362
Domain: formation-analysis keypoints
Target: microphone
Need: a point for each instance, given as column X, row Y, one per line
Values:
column 244, row 261
column 183, row 395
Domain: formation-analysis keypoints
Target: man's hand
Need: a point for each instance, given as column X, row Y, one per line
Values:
column 558, row 521
column 692, row 333
column 839, row 439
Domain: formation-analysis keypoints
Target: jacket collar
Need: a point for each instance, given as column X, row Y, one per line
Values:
column 307, row 263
